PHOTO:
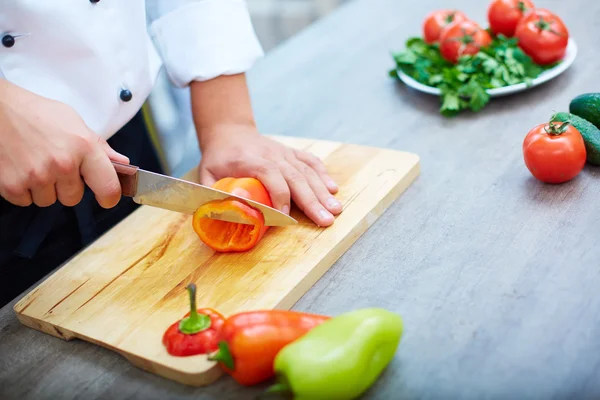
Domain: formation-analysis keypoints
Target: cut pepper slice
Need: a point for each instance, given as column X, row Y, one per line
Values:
column 224, row 236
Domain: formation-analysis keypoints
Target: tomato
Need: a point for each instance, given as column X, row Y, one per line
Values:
column 462, row 38
column 554, row 152
column 543, row 36
column 436, row 21
column 504, row 15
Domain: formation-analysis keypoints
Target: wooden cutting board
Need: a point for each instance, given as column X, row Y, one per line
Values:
column 125, row 289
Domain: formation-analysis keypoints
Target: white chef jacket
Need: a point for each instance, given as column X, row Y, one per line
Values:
column 102, row 56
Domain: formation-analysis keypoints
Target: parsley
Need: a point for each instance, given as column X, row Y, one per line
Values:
column 464, row 85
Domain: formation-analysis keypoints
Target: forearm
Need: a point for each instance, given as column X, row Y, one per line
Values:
column 223, row 101
column 16, row 100
column 11, row 95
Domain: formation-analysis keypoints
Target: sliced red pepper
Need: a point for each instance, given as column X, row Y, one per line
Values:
column 224, row 236
column 197, row 333
column 252, row 339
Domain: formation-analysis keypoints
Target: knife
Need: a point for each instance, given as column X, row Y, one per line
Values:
column 169, row 193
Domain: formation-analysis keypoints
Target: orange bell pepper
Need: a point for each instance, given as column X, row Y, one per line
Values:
column 250, row 341
column 225, row 236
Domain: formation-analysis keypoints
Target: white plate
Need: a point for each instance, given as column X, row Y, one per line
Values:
column 570, row 55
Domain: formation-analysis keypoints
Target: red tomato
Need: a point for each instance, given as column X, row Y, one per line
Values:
column 543, row 36
column 552, row 154
column 462, row 38
column 436, row 21
column 504, row 15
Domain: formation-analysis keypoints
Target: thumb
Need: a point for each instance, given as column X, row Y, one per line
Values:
column 206, row 177
column 112, row 153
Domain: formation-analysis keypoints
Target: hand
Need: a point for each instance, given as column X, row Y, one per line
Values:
column 48, row 152
column 239, row 151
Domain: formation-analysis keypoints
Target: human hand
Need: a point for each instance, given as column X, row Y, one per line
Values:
column 48, row 152
column 288, row 174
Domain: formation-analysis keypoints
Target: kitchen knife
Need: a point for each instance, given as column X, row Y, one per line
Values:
column 162, row 191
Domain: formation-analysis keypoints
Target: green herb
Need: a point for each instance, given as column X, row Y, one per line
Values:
column 464, row 85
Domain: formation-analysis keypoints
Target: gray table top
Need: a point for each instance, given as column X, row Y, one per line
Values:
column 495, row 274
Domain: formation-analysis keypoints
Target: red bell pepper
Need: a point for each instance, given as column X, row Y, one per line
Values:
column 224, row 236
column 197, row 333
column 251, row 340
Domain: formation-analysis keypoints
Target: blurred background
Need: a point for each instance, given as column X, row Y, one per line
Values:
column 169, row 107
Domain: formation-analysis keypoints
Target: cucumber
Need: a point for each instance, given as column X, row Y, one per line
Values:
column 589, row 132
column 587, row 106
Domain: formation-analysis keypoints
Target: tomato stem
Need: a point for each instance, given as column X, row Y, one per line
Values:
column 465, row 39
column 556, row 130
column 450, row 17
column 195, row 322
column 522, row 7
column 544, row 25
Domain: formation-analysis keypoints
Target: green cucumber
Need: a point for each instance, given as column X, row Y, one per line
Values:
column 587, row 106
column 589, row 132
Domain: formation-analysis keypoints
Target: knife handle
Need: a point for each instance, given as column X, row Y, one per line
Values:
column 127, row 177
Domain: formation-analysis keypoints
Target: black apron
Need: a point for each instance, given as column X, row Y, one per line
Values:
column 35, row 240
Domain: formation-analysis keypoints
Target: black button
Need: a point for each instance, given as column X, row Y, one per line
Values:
column 126, row 95
column 8, row 41
column 94, row 1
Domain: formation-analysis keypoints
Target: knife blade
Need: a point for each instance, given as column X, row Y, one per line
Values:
column 174, row 194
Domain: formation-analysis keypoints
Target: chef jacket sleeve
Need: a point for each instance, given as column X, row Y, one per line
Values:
column 202, row 39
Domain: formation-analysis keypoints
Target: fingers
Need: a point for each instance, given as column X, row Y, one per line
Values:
column 316, row 164
column 317, row 186
column 100, row 175
column 61, row 179
column 69, row 185
column 46, row 183
column 304, row 196
column 69, row 189
column 41, row 185
column 288, row 178
column 270, row 176
column 43, row 196
column 16, row 194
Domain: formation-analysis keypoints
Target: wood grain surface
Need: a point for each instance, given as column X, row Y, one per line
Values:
column 496, row 275
column 123, row 291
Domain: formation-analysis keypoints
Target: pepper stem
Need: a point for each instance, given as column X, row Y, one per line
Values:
column 195, row 322
column 279, row 388
column 276, row 391
column 223, row 355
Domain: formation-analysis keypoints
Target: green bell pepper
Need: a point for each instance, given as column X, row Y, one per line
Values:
column 340, row 358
